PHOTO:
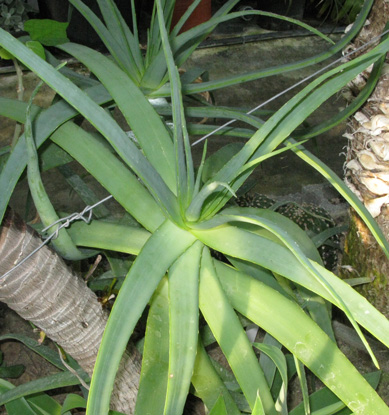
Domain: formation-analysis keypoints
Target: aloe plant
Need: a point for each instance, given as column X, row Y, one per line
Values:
column 182, row 213
column 149, row 70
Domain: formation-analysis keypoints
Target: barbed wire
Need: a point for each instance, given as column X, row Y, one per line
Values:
column 65, row 223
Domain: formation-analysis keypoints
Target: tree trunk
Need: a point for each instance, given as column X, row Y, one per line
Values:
column 367, row 174
column 46, row 292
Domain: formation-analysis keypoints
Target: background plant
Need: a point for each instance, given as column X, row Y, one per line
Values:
column 344, row 11
column 273, row 263
column 13, row 14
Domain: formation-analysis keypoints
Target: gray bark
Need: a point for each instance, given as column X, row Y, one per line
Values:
column 46, row 292
column 367, row 173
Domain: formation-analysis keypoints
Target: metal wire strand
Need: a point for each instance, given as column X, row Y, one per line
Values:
column 342, row 58
column 65, row 223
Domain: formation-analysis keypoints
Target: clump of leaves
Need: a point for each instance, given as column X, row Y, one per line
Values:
column 13, row 14
column 339, row 11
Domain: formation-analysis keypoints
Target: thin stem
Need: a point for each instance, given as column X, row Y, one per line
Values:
column 20, row 95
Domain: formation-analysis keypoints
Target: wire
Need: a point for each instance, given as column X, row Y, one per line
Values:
column 65, row 223
column 342, row 58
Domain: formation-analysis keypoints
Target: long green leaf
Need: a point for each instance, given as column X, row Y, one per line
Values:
column 275, row 354
column 122, row 55
column 155, row 74
column 147, row 126
column 73, row 401
column 351, row 108
column 111, row 174
column 85, row 149
column 298, row 241
column 50, row 382
column 16, row 407
column 184, row 329
column 166, row 244
column 270, row 255
column 117, row 26
column 46, row 352
column 86, row 194
column 99, row 118
column 207, row 383
column 184, row 163
column 219, row 408
column 155, row 361
column 303, row 384
column 288, row 235
column 323, row 400
column 45, row 123
column 63, row 243
column 109, row 236
column 231, row 337
column 46, row 404
column 184, row 45
column 292, row 114
column 245, row 77
column 306, row 340
column 341, row 187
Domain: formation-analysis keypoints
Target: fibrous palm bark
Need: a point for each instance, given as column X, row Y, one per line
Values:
column 367, row 173
column 45, row 291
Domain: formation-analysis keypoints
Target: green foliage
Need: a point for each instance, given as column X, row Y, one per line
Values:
column 47, row 32
column 344, row 11
column 275, row 278
column 10, row 371
column 42, row 32
column 13, row 14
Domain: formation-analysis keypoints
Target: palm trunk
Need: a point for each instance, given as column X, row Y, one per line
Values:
column 367, row 174
column 46, row 292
